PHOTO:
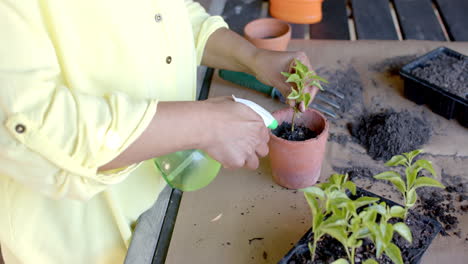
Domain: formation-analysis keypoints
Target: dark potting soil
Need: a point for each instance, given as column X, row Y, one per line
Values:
column 329, row 249
column 445, row 205
column 390, row 133
column 447, row 72
column 392, row 66
column 300, row 132
column 348, row 82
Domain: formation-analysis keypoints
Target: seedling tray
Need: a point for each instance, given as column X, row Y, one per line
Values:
column 438, row 99
column 411, row 255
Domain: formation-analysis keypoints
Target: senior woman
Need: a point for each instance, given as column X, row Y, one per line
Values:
column 89, row 92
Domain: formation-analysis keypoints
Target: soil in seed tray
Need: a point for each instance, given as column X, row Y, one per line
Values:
column 390, row 133
column 450, row 73
column 300, row 132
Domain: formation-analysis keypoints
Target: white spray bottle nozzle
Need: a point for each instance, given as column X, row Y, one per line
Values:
column 268, row 119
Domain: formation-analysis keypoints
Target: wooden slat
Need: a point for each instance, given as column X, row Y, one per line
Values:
column 238, row 13
column 418, row 20
column 334, row 24
column 373, row 20
column 455, row 16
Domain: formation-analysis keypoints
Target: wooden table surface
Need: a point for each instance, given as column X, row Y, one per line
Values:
column 437, row 20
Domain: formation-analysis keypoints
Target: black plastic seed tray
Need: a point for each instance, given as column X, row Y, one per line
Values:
column 300, row 250
column 437, row 98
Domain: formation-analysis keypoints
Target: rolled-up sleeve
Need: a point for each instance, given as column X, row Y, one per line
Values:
column 203, row 26
column 53, row 138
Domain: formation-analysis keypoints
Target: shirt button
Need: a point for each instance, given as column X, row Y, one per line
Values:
column 158, row 18
column 20, row 128
column 168, row 59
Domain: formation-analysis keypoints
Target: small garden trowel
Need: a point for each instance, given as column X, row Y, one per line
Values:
column 251, row 82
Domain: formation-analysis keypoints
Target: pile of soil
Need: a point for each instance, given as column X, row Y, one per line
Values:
column 300, row 132
column 392, row 66
column 390, row 133
column 348, row 82
column 329, row 249
column 447, row 72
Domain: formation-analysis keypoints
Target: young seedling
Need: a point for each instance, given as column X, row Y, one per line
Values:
column 335, row 214
column 303, row 77
column 381, row 233
column 413, row 181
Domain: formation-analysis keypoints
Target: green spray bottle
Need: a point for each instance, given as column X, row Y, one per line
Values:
column 191, row 170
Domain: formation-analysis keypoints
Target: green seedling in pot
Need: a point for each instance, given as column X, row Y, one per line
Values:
column 413, row 181
column 302, row 77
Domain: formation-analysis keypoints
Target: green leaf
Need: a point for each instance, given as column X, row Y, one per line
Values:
column 379, row 245
column 317, row 78
column 300, row 67
column 363, row 232
column 293, row 95
column 404, row 231
column 397, row 211
column 387, row 231
column 294, row 78
column 388, row 175
column 337, row 232
column 317, row 221
column 337, row 179
column 379, row 208
column 411, row 198
column 370, row 216
column 411, row 174
column 426, row 181
column 350, row 186
column 340, row 261
column 425, row 164
column 411, row 155
column 370, row 261
column 313, row 204
column 399, row 184
column 307, row 99
column 394, row 253
column 365, row 200
column 396, row 161
column 394, row 178
column 286, row 74
column 313, row 190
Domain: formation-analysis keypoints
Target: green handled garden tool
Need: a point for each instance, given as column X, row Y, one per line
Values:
column 251, row 82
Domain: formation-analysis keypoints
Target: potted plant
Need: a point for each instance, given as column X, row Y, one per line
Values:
column 297, row 11
column 268, row 33
column 297, row 146
column 351, row 225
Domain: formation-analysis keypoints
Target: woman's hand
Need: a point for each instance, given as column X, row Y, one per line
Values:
column 267, row 67
column 227, row 50
column 235, row 135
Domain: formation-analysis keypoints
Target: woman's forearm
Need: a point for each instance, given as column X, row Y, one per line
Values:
column 229, row 132
column 176, row 126
column 225, row 49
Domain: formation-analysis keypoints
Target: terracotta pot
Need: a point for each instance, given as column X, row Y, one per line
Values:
column 297, row 11
column 297, row 164
column 268, row 33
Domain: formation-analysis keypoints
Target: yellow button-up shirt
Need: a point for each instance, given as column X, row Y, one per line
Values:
column 79, row 82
